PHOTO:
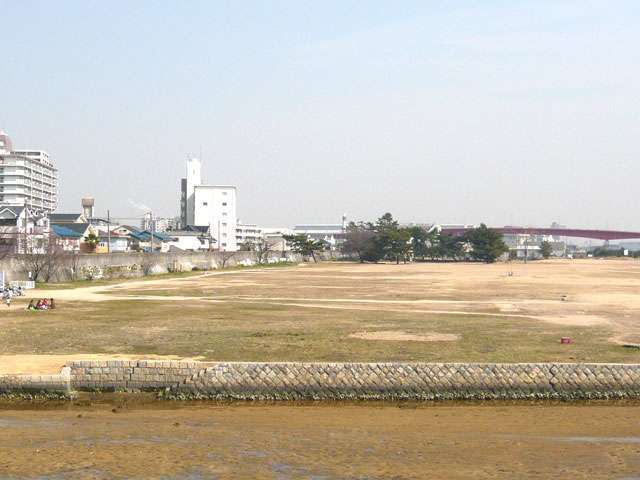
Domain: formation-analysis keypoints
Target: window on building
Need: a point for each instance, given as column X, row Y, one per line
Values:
column 224, row 235
column 224, row 204
column 224, row 244
column 224, row 214
column 224, row 193
column 224, row 224
column 205, row 204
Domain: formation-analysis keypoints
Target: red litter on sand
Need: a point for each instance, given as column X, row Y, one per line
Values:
column 565, row 340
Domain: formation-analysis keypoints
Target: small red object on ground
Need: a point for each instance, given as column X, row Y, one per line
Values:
column 565, row 340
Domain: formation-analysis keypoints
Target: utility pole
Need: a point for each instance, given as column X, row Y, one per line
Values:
column 26, row 238
column 152, row 229
column 108, row 232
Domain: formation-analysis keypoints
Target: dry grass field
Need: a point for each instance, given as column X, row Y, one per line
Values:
column 342, row 312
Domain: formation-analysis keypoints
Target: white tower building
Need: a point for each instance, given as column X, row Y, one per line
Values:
column 194, row 177
column 209, row 207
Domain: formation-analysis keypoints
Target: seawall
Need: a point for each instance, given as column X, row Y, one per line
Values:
column 335, row 381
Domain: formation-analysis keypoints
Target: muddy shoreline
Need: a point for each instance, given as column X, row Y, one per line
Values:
column 133, row 436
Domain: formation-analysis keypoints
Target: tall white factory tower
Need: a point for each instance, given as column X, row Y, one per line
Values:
column 209, row 208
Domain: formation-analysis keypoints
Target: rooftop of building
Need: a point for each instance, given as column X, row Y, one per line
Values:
column 319, row 226
column 14, row 210
column 196, row 228
column 204, row 185
column 145, row 236
column 64, row 232
column 80, row 228
column 66, row 218
column 186, row 233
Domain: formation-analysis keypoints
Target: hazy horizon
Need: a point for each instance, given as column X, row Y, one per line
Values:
column 505, row 114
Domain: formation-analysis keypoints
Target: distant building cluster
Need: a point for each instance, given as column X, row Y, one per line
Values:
column 207, row 221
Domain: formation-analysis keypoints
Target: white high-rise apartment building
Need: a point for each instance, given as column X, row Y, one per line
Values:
column 209, row 207
column 27, row 178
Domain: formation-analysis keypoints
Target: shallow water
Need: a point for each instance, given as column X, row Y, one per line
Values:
column 121, row 438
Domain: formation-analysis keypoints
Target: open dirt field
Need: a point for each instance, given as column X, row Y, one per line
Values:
column 342, row 312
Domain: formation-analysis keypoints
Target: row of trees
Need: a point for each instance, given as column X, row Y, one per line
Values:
column 386, row 240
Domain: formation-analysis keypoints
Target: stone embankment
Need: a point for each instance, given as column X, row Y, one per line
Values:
column 31, row 386
column 335, row 381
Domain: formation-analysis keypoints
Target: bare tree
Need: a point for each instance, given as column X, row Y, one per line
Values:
column 261, row 248
column 55, row 260
column 72, row 262
column 224, row 257
column 147, row 263
column 44, row 265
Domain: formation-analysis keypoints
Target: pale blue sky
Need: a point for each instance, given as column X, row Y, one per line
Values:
column 505, row 112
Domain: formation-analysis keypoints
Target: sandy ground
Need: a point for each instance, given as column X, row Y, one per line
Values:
column 375, row 441
column 400, row 336
column 51, row 364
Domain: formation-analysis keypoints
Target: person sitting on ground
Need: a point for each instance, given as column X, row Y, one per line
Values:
column 52, row 304
column 40, row 305
column 32, row 305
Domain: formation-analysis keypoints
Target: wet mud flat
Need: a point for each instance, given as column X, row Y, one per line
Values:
column 121, row 436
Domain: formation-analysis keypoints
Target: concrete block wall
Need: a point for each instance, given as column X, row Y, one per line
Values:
column 337, row 381
column 56, row 386
column 118, row 265
column 144, row 375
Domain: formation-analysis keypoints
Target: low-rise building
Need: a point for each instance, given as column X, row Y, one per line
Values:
column 113, row 243
column 247, row 233
column 67, row 239
column 80, row 231
column 145, row 241
column 528, row 246
column 275, row 237
column 23, row 230
column 332, row 233
column 190, row 240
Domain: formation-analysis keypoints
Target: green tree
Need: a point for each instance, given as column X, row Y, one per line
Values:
column 390, row 240
column 448, row 247
column 360, row 241
column 546, row 249
column 486, row 244
column 305, row 246
column 400, row 245
column 92, row 240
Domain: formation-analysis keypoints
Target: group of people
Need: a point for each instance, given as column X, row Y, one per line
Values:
column 42, row 304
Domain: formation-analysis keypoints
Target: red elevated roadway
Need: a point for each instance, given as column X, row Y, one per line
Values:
column 560, row 232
